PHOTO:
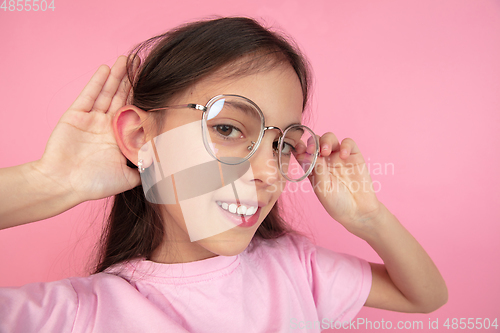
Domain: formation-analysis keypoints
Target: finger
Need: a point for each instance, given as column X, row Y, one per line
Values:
column 111, row 85
column 328, row 143
column 311, row 144
column 348, row 147
column 300, row 148
column 85, row 101
column 122, row 94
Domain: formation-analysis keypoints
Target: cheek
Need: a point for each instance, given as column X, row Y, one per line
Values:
column 276, row 191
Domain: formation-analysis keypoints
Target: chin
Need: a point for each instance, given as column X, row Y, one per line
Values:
column 229, row 243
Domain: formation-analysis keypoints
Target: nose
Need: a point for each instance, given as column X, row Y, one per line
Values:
column 264, row 161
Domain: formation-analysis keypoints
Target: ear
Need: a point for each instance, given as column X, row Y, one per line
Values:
column 130, row 134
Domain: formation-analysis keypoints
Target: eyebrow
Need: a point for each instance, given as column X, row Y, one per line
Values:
column 242, row 106
column 296, row 129
column 248, row 109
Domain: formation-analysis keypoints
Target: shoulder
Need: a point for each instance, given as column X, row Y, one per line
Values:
column 296, row 251
column 98, row 282
column 339, row 283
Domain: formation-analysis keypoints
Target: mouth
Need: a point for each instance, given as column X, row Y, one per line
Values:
column 241, row 215
column 238, row 209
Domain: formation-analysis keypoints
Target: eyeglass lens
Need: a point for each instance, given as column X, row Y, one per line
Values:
column 298, row 152
column 233, row 126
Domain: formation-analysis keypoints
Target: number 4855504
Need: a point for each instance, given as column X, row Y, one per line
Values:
column 27, row 5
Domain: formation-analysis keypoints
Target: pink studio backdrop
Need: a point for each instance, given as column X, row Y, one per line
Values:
column 415, row 83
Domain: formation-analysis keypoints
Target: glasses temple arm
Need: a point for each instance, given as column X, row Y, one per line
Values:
column 182, row 106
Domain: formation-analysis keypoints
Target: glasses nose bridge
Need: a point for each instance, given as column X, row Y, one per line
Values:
column 280, row 131
column 264, row 129
column 272, row 128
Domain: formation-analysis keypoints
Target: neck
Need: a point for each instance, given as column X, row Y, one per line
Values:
column 180, row 251
column 176, row 246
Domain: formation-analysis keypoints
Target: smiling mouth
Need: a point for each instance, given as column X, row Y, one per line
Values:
column 236, row 209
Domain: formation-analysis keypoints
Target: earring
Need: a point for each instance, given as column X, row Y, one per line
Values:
column 251, row 146
column 140, row 167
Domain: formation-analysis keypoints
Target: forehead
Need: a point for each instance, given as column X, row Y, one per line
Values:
column 277, row 92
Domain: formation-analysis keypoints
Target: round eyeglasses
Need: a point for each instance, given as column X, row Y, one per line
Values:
column 233, row 127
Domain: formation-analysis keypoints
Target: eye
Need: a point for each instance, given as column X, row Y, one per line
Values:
column 287, row 148
column 227, row 131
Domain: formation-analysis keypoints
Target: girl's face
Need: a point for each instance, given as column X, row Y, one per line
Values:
column 278, row 94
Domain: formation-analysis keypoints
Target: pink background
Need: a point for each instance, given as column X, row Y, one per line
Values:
column 415, row 83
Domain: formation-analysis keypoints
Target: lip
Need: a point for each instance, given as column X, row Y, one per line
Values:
column 239, row 220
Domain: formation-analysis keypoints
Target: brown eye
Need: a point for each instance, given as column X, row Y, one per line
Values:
column 224, row 130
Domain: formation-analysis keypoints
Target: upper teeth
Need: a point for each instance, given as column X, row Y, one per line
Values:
column 235, row 209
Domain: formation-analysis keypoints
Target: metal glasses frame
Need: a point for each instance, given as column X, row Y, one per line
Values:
column 255, row 145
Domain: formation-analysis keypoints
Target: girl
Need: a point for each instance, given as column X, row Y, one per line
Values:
column 197, row 258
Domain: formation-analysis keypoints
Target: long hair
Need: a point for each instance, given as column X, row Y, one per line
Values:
column 174, row 62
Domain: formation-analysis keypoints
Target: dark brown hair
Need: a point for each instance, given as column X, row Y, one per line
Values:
column 174, row 62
